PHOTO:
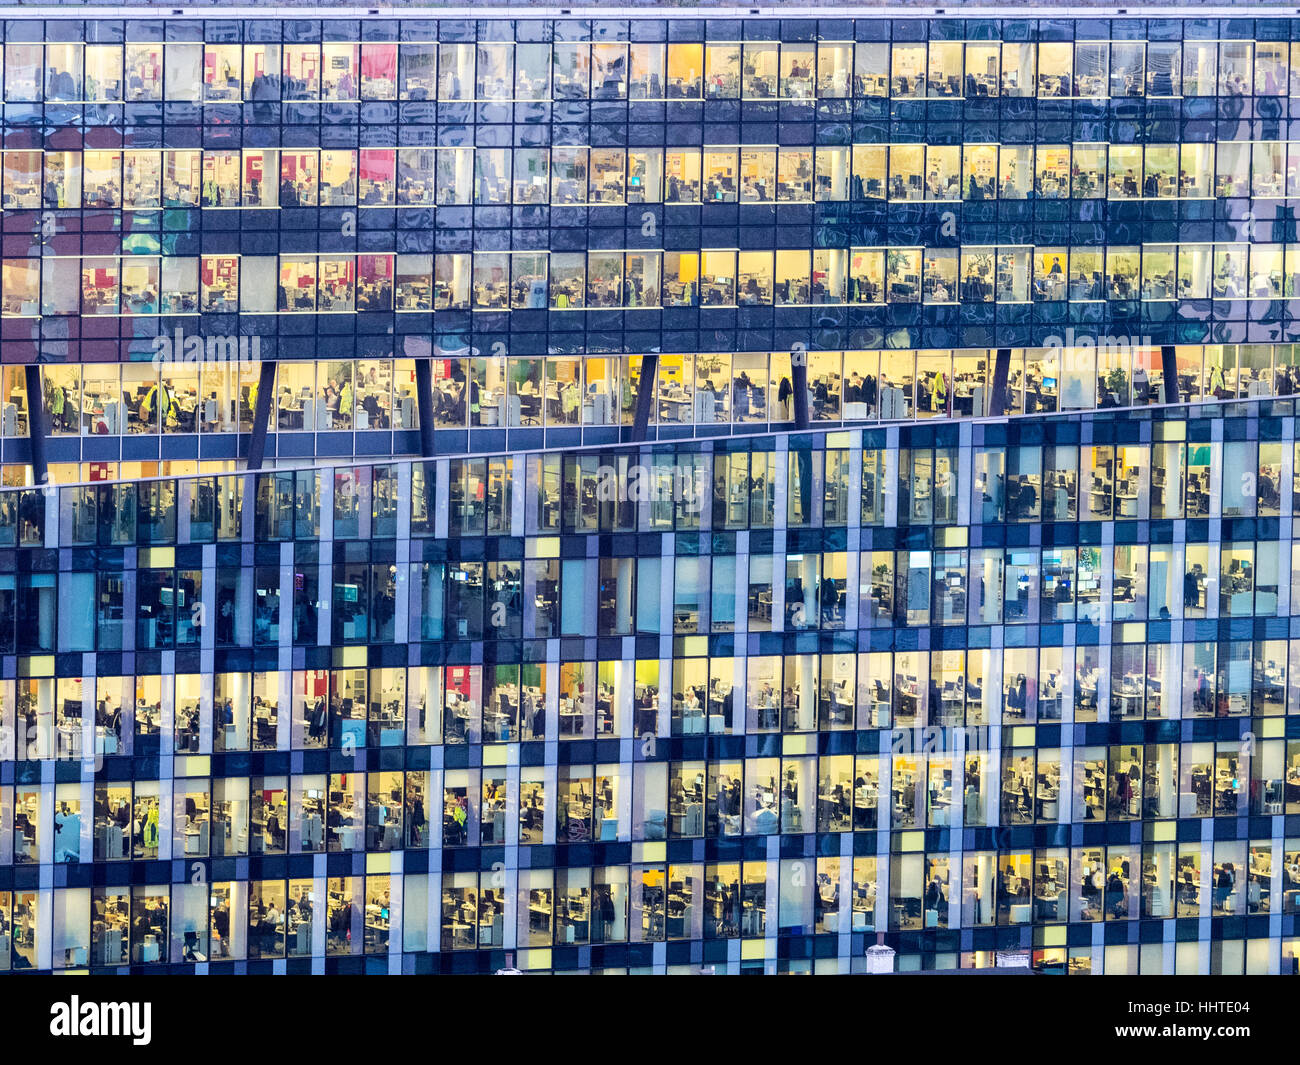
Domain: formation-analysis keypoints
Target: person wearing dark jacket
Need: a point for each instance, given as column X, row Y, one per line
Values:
column 221, row 925
column 1115, row 895
column 784, row 393
column 1223, row 885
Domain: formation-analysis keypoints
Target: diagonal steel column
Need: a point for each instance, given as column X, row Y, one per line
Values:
column 803, row 459
column 261, row 415
column 424, row 400
column 1169, row 371
column 645, row 394
column 998, row 391
column 37, row 430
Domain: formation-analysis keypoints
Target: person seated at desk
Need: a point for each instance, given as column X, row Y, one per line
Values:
column 299, row 910
column 1011, row 889
column 1268, row 494
column 190, row 948
column 826, row 899
column 934, row 895
column 270, row 929
column 456, row 821
column 647, row 711
column 690, row 703
column 274, row 832
column 1291, row 881
column 341, row 922
column 335, row 820
column 378, row 419
column 842, row 803
column 1117, row 894
column 109, row 718
column 604, row 712
column 729, row 797
column 763, row 798
column 1026, row 500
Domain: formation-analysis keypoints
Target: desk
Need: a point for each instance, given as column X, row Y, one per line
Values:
column 378, row 929
column 865, row 803
column 674, row 408
column 571, row 721
column 1047, row 805
column 575, row 929
column 196, row 838
column 1130, row 703
column 1127, row 505
column 1047, row 905
column 539, row 917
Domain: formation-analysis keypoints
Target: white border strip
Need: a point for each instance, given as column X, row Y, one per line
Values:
column 554, row 9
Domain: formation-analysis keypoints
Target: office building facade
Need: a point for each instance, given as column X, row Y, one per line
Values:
column 648, row 494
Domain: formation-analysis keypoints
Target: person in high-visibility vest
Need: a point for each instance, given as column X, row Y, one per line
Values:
column 164, row 404
column 345, row 401
column 940, row 392
column 151, row 827
column 147, row 404
column 1216, row 380
column 57, row 400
